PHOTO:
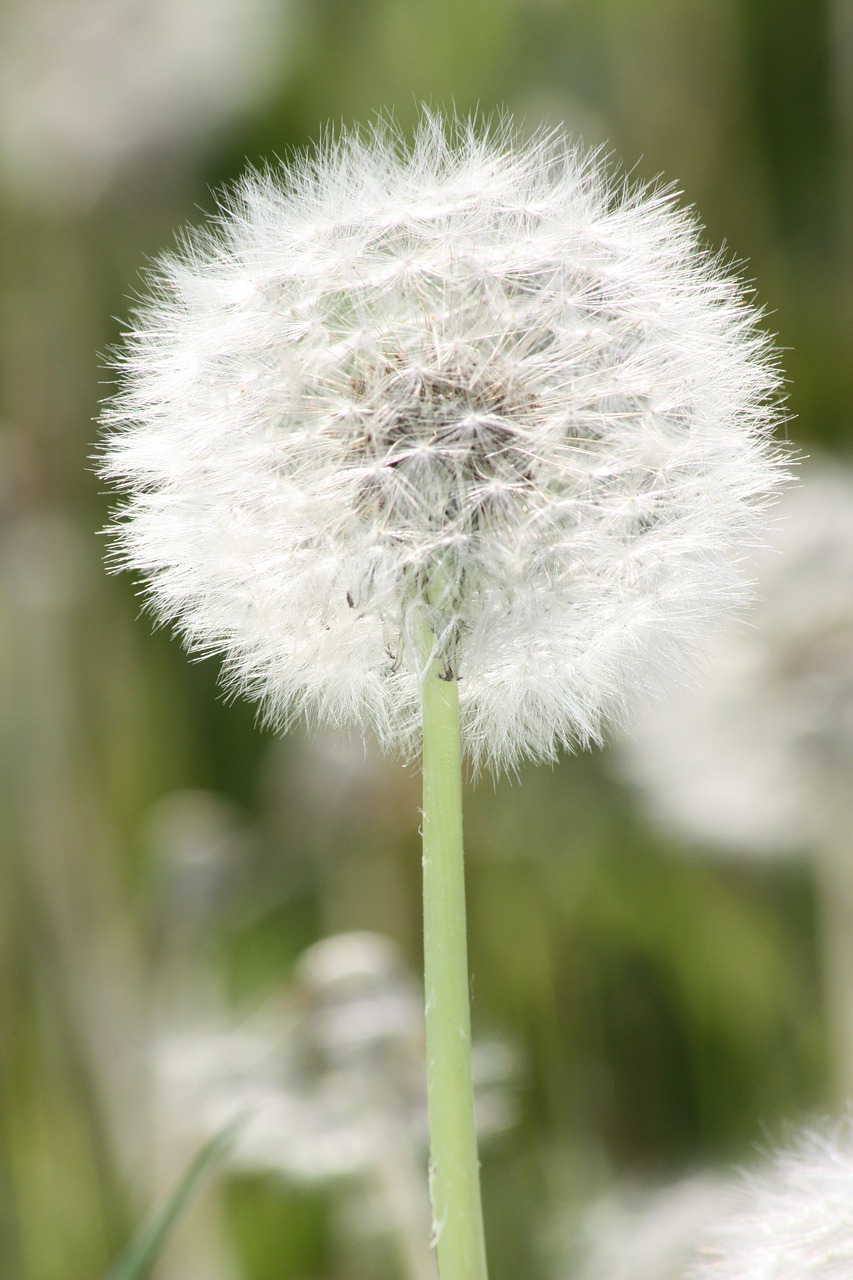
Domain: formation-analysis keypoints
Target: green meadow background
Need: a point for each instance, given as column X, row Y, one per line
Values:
column 667, row 1011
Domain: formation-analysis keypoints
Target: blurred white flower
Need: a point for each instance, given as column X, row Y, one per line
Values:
column 482, row 388
column 88, row 87
column 319, row 1087
column 757, row 760
column 791, row 1221
column 638, row 1233
column 750, row 759
column 330, row 1087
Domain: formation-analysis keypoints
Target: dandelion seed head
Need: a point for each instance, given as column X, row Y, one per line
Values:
column 791, row 1221
column 754, row 760
column 317, row 1083
column 479, row 388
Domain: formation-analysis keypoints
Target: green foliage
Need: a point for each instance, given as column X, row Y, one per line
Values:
column 147, row 1245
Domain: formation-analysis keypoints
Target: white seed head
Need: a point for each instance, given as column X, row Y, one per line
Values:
column 755, row 760
column 315, row 1084
column 794, row 1220
column 479, row 389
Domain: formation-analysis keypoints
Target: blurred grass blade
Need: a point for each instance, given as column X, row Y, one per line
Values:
column 145, row 1248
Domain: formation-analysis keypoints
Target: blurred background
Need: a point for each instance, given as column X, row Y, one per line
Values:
column 652, row 998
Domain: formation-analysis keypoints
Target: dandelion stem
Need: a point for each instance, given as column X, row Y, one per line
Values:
column 454, row 1168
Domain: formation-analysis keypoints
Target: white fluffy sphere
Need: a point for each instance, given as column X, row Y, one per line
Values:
column 478, row 389
column 750, row 762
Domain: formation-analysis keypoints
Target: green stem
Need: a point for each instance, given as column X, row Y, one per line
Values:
column 454, row 1168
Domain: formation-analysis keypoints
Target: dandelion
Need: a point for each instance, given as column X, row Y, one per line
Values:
column 479, row 387
column 756, row 761
column 791, row 1221
column 459, row 444
column 772, row 721
column 91, row 88
column 327, row 1088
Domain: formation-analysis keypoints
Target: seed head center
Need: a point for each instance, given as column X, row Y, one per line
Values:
column 440, row 444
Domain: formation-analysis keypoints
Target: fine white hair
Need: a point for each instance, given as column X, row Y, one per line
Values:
column 793, row 1220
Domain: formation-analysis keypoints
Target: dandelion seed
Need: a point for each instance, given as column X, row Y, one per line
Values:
column 479, row 387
